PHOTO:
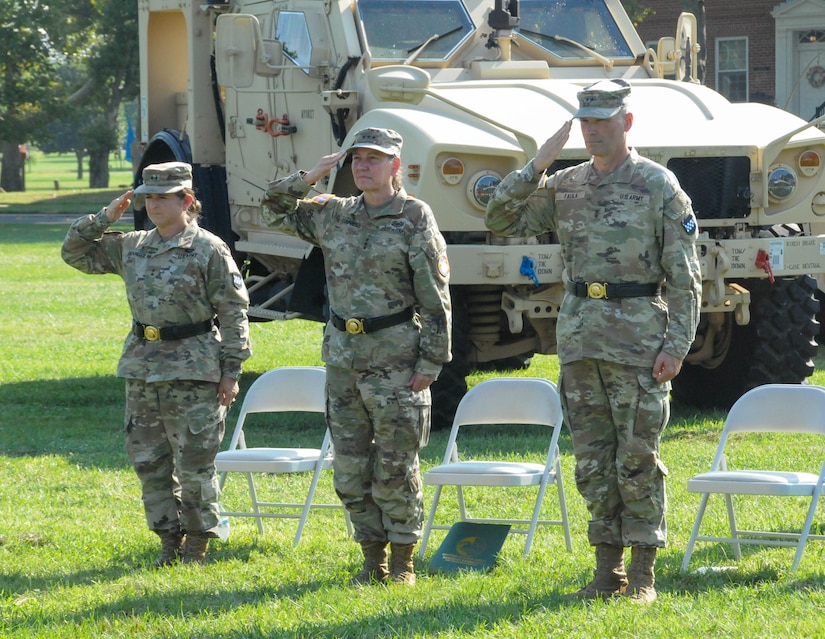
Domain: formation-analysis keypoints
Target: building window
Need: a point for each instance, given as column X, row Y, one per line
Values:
column 807, row 37
column 732, row 68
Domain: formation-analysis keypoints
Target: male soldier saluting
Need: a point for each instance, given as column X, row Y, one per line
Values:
column 625, row 228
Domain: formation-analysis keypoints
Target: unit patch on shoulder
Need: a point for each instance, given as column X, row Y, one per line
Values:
column 321, row 199
column 443, row 265
column 689, row 224
column 237, row 281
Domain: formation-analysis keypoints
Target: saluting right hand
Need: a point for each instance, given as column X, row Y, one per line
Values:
column 550, row 150
column 323, row 167
column 118, row 206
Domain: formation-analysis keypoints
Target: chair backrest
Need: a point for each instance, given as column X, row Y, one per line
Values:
column 775, row 408
column 790, row 408
column 284, row 389
column 508, row 400
column 289, row 388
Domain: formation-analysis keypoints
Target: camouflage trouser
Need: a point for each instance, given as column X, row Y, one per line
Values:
column 616, row 415
column 378, row 425
column 173, row 432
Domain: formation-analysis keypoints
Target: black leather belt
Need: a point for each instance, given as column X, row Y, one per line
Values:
column 154, row 334
column 357, row 325
column 599, row 290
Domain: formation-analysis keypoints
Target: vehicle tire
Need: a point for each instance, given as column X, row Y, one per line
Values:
column 777, row 346
column 451, row 384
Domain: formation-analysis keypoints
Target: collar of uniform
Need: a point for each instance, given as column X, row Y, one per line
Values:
column 184, row 239
column 394, row 207
column 622, row 175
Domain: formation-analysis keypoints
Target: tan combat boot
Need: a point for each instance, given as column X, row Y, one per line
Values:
column 375, row 568
column 640, row 575
column 402, row 570
column 609, row 578
column 171, row 545
column 195, row 547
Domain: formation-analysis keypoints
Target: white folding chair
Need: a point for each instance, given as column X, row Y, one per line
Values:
column 287, row 389
column 773, row 408
column 503, row 401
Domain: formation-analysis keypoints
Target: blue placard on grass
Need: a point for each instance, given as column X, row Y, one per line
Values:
column 469, row 546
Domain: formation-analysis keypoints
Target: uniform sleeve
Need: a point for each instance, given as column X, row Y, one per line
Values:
column 522, row 205
column 89, row 248
column 431, row 273
column 683, row 276
column 229, row 297
column 285, row 208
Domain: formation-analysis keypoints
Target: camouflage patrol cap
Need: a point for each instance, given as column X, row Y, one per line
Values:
column 167, row 177
column 603, row 99
column 384, row 140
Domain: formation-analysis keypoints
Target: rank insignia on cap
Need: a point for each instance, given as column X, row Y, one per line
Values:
column 689, row 223
column 443, row 265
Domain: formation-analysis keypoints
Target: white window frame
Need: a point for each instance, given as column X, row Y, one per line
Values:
column 720, row 73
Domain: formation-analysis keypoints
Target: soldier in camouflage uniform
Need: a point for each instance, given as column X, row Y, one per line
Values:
column 625, row 228
column 181, row 369
column 387, row 338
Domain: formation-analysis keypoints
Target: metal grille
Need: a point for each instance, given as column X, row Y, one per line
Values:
column 718, row 187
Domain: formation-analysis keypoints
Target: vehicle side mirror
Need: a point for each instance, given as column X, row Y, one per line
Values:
column 270, row 58
column 241, row 52
column 667, row 59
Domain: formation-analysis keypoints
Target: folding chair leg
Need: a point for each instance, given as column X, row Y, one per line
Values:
column 348, row 521
column 307, row 505
column 428, row 527
column 565, row 522
column 734, row 531
column 695, row 532
column 462, row 508
column 253, row 495
column 531, row 531
column 803, row 537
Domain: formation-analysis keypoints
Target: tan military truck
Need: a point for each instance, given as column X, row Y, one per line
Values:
column 250, row 90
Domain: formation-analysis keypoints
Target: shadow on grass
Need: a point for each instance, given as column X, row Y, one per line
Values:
column 454, row 612
column 77, row 418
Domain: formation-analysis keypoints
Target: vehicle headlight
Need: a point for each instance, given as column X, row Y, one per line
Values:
column 782, row 182
column 482, row 187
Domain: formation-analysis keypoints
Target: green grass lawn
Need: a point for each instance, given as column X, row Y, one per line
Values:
column 75, row 551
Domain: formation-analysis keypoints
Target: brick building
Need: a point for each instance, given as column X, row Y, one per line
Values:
column 756, row 50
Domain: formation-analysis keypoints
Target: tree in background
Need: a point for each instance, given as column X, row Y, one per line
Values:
column 98, row 41
column 113, row 78
column 65, row 134
column 636, row 10
column 36, row 37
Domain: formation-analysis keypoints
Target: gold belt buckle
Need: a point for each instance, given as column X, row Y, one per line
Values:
column 596, row 290
column 151, row 333
column 354, row 326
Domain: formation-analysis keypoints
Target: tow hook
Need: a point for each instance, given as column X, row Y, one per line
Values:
column 274, row 126
column 763, row 261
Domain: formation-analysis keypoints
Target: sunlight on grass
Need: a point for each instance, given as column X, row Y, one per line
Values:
column 75, row 551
